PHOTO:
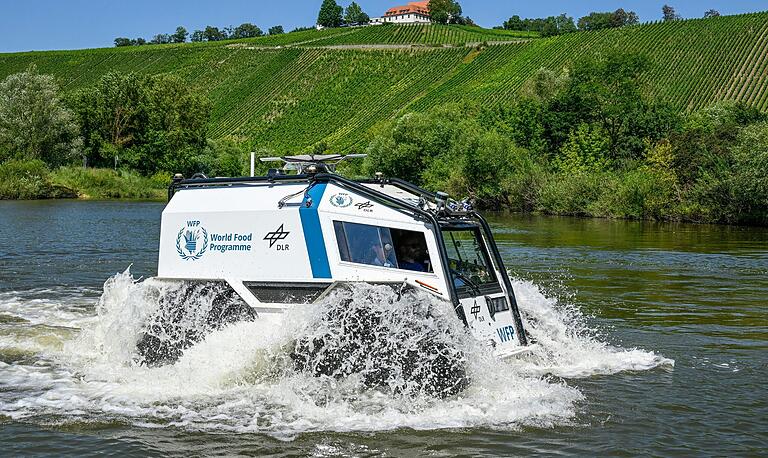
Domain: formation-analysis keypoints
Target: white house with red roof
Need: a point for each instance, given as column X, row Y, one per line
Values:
column 412, row 13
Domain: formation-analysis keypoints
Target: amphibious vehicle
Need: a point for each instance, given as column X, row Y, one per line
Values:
column 292, row 236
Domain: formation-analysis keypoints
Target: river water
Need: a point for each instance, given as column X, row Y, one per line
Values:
column 653, row 340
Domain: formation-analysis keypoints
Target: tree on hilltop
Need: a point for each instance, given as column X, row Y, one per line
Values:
column 444, row 11
column 670, row 14
column 161, row 39
column 514, row 23
column 213, row 34
column 197, row 36
column 552, row 25
column 711, row 13
column 246, row 30
column 276, row 30
column 330, row 14
column 355, row 15
column 180, row 36
column 599, row 21
column 621, row 18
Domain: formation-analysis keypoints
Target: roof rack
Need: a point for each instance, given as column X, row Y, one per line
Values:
column 310, row 164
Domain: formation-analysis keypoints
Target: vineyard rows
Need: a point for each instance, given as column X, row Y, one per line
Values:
column 290, row 98
column 692, row 63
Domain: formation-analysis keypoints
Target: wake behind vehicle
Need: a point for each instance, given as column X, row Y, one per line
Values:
column 284, row 240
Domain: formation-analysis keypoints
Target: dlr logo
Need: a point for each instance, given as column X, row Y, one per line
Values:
column 285, row 247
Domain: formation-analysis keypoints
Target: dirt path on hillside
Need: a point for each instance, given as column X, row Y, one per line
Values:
column 308, row 44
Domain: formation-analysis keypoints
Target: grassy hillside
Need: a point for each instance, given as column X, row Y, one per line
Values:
column 289, row 98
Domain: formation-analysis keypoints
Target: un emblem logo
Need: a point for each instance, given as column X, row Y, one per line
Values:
column 192, row 242
column 341, row 200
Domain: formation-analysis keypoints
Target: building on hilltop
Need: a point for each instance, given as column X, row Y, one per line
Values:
column 412, row 13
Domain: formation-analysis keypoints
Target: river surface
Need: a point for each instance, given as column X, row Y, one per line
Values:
column 653, row 340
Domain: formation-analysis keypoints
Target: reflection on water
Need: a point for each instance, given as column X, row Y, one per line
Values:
column 695, row 294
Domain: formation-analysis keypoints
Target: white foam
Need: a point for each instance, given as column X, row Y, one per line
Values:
column 567, row 347
column 239, row 378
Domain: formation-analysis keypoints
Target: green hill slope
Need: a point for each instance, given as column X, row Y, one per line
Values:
column 289, row 98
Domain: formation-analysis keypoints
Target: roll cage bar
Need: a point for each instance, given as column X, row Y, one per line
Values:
column 442, row 217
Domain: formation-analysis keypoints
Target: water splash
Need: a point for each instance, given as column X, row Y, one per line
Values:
column 242, row 378
column 567, row 346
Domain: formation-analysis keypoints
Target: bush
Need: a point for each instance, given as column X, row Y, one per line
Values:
column 642, row 193
column 25, row 180
column 226, row 158
column 522, row 187
column 709, row 199
column 585, row 151
column 749, row 182
column 574, row 195
column 110, row 184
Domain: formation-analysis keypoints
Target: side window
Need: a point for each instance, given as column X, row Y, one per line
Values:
column 382, row 246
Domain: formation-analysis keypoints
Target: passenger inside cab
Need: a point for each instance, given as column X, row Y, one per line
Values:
column 412, row 251
column 382, row 246
column 382, row 255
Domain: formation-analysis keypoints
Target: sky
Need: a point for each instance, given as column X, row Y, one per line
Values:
column 73, row 24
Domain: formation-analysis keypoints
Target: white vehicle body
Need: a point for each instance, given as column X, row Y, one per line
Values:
column 283, row 241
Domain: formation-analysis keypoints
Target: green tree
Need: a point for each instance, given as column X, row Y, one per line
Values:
column 549, row 26
column 330, row 14
column 447, row 149
column 750, row 174
column 669, row 13
column 34, row 122
column 585, row 151
column 595, row 21
column 213, row 34
column 514, row 23
column 598, row 21
column 711, row 13
column 355, row 15
column 276, row 30
column 246, row 30
column 197, row 36
column 621, row 18
column 180, row 36
column 161, row 39
column 565, row 24
column 443, row 11
column 149, row 123
column 122, row 41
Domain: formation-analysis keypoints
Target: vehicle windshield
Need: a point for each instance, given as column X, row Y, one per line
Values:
column 468, row 259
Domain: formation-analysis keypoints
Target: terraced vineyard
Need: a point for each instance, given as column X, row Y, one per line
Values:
column 290, row 98
column 693, row 63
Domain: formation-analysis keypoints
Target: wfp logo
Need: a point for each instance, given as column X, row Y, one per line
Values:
column 192, row 241
column 341, row 200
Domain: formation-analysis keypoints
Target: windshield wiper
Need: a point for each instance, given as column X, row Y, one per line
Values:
column 466, row 280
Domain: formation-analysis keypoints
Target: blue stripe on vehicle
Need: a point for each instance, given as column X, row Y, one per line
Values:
column 313, row 233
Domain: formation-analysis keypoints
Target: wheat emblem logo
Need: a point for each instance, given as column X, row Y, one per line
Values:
column 191, row 244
